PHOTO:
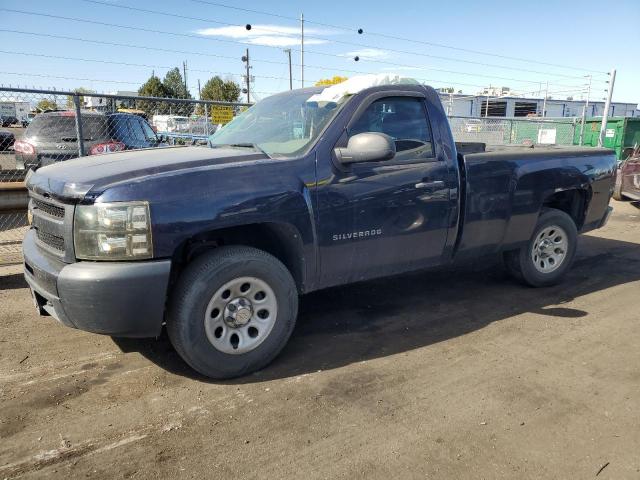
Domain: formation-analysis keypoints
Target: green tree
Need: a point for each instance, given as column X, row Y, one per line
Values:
column 70, row 103
column 153, row 88
column 176, row 88
column 218, row 89
column 46, row 104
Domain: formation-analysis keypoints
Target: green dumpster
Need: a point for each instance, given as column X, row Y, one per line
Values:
column 622, row 134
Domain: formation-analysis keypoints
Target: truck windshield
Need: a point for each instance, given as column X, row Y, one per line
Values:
column 282, row 125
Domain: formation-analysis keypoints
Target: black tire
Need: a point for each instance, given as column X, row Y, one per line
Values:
column 195, row 288
column 519, row 263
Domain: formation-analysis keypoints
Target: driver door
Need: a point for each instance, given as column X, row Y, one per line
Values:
column 390, row 216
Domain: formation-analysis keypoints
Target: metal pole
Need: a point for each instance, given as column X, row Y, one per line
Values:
column 79, row 136
column 486, row 110
column 302, row 49
column 248, row 78
column 544, row 102
column 450, row 104
column 199, row 93
column 184, row 70
column 584, row 111
column 288, row 51
column 607, row 106
column 206, row 118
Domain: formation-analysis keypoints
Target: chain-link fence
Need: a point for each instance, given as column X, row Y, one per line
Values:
column 41, row 127
column 13, row 215
column 515, row 131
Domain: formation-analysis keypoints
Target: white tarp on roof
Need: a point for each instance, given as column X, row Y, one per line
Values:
column 358, row 83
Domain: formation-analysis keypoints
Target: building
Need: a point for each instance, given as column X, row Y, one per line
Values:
column 506, row 105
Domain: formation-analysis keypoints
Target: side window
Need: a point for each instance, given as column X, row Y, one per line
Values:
column 149, row 134
column 120, row 128
column 136, row 129
column 402, row 118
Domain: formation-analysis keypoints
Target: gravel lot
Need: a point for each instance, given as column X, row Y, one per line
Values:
column 448, row 374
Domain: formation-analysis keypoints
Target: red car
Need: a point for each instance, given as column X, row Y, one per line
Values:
column 628, row 179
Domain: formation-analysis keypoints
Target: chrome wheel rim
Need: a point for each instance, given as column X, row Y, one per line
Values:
column 240, row 315
column 549, row 249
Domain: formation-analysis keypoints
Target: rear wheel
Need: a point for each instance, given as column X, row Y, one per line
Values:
column 232, row 311
column 548, row 255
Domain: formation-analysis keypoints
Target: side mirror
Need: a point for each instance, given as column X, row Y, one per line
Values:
column 367, row 147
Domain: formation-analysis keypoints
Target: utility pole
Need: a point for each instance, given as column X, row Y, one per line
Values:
column 544, row 102
column 302, row 49
column 607, row 106
column 450, row 104
column 584, row 110
column 199, row 94
column 288, row 52
column 184, row 74
column 246, row 60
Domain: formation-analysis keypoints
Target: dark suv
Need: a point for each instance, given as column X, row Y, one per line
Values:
column 51, row 137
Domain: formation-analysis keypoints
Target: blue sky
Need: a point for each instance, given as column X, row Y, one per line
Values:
column 435, row 46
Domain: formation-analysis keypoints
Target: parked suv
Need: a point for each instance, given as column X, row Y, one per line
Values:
column 51, row 137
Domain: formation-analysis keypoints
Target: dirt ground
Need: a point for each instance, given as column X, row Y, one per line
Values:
column 448, row 374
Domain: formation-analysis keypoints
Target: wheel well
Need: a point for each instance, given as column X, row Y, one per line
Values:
column 572, row 202
column 281, row 240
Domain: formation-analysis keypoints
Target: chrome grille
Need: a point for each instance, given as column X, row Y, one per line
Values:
column 54, row 241
column 52, row 221
column 48, row 208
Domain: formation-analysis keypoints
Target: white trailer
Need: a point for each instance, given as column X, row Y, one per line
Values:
column 20, row 110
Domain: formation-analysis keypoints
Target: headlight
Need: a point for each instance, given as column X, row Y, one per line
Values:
column 113, row 231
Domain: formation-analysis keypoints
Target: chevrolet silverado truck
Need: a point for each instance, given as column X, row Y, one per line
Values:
column 300, row 192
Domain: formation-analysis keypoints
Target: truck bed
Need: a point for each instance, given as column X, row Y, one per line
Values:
column 504, row 188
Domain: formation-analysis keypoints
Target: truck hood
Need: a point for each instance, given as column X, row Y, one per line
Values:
column 74, row 179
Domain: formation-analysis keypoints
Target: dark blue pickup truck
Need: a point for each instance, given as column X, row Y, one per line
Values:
column 296, row 194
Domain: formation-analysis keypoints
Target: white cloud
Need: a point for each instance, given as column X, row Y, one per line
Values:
column 367, row 53
column 271, row 35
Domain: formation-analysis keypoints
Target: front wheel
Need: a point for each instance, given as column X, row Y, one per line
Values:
column 232, row 311
column 548, row 255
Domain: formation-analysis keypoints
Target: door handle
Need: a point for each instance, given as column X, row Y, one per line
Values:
column 434, row 184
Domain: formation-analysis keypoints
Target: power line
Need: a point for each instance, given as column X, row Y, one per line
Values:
column 129, row 45
column 68, row 78
column 224, row 73
column 187, row 52
column 109, row 62
column 188, row 35
column 352, row 44
column 144, row 65
column 394, row 37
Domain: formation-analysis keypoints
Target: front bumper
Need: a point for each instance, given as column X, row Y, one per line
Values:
column 125, row 299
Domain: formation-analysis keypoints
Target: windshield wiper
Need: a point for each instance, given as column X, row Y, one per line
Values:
column 248, row 145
